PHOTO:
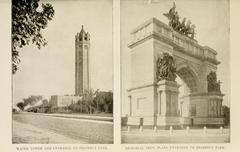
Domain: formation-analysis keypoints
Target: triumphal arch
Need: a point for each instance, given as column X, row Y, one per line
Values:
column 160, row 53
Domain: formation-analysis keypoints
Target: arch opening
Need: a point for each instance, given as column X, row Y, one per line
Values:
column 188, row 81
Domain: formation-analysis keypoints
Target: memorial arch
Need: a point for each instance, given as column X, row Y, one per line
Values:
column 156, row 101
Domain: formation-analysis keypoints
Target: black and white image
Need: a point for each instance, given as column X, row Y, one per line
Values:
column 175, row 71
column 62, row 77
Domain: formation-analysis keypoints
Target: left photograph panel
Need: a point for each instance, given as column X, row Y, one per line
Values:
column 62, row 72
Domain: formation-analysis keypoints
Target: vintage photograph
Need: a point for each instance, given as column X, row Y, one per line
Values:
column 175, row 71
column 62, row 71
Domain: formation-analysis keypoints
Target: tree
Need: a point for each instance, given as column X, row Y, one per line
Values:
column 28, row 19
column 108, row 106
column 75, row 107
column 88, row 99
column 32, row 100
column 104, row 101
column 14, row 110
column 226, row 115
column 100, row 100
column 45, row 102
column 20, row 105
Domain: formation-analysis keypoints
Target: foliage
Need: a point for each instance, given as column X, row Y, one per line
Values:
column 94, row 102
column 21, row 105
column 88, row 98
column 76, row 107
column 226, row 115
column 104, row 101
column 14, row 110
column 32, row 100
column 45, row 102
column 124, row 121
column 28, row 19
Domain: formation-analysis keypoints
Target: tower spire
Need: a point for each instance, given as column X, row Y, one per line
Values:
column 82, row 32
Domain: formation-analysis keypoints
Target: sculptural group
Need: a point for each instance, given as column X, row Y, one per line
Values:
column 213, row 84
column 183, row 27
column 166, row 69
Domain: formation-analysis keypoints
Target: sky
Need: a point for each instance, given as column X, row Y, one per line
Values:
column 51, row 70
column 211, row 18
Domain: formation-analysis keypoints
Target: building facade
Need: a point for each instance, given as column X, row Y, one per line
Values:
column 63, row 100
column 82, row 66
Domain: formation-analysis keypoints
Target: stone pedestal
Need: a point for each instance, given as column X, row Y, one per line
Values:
column 167, row 98
column 167, row 121
column 214, row 104
column 167, row 103
column 203, row 109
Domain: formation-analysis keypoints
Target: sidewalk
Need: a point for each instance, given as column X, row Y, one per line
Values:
column 78, row 116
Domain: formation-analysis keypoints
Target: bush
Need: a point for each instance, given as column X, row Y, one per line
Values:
column 14, row 110
column 124, row 121
column 226, row 115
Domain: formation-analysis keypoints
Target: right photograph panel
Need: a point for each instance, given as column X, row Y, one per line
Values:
column 175, row 71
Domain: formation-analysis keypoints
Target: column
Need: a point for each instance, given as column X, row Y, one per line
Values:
column 209, row 108
column 217, row 108
column 163, row 103
column 130, row 105
column 174, row 103
column 181, row 106
column 170, row 103
column 159, row 103
column 220, row 108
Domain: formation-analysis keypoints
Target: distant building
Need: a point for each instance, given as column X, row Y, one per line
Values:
column 63, row 100
column 82, row 71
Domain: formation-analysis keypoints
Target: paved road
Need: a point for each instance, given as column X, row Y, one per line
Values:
column 36, row 128
column 178, row 136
